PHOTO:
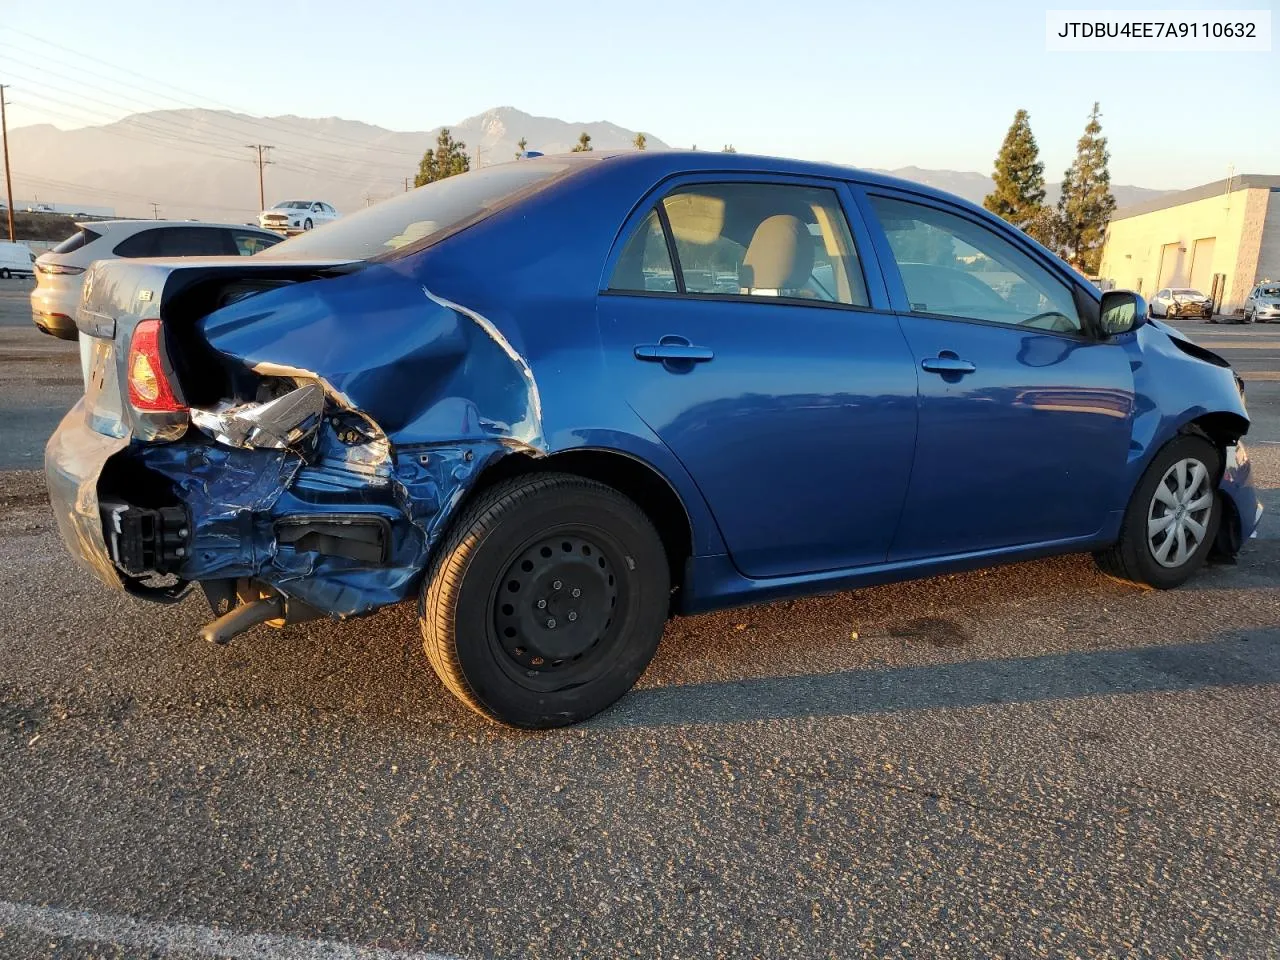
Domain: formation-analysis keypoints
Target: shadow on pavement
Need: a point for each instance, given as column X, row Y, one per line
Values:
column 1242, row 659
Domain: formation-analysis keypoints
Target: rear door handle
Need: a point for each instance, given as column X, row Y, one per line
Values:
column 673, row 348
column 947, row 362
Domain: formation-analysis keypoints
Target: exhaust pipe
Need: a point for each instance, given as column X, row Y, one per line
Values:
column 239, row 619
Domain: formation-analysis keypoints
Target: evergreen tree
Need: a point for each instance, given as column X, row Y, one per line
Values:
column 521, row 145
column 448, row 158
column 1018, row 196
column 640, row 142
column 729, row 148
column 1086, row 203
column 584, row 143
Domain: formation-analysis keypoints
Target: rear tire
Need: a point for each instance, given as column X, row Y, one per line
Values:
column 5, row 274
column 1172, row 518
column 546, row 602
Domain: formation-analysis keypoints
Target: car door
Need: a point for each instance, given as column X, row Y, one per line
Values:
column 1025, row 413
column 743, row 325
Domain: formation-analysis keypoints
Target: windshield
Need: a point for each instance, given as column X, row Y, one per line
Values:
column 1187, row 293
column 436, row 208
column 1269, row 292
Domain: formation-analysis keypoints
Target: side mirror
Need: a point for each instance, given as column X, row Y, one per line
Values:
column 1122, row 312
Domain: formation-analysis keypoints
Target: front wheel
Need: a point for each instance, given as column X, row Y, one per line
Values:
column 5, row 274
column 1172, row 518
column 307, row 224
column 547, row 601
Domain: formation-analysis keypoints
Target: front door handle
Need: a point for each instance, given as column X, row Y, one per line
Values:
column 673, row 348
column 947, row 362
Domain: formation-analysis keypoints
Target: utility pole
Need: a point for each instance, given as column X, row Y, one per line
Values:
column 406, row 184
column 261, row 147
column 8, row 178
column 155, row 210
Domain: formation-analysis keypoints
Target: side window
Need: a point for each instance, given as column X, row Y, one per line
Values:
column 141, row 244
column 645, row 263
column 247, row 244
column 193, row 242
column 765, row 240
column 956, row 267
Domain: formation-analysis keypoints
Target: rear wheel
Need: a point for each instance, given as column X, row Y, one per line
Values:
column 547, row 601
column 1172, row 519
column 5, row 274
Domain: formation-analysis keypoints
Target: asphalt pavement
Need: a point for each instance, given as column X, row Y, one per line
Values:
column 1031, row 761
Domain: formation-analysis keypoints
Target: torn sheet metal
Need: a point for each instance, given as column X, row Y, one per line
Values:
column 424, row 369
column 420, row 396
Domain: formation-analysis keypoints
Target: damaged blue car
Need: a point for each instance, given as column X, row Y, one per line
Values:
column 562, row 398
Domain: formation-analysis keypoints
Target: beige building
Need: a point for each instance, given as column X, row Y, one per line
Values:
column 1221, row 238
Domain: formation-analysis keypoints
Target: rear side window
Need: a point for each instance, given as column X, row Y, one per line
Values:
column 750, row 239
column 247, row 244
column 645, row 263
column 77, row 240
column 178, row 242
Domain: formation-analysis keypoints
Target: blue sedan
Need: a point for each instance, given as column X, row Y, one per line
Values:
column 561, row 398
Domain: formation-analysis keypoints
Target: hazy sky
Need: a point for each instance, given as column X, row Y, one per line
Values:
column 883, row 84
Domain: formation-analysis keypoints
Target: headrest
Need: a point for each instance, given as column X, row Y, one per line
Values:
column 780, row 255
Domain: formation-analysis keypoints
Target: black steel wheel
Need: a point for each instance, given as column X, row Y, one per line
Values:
column 547, row 601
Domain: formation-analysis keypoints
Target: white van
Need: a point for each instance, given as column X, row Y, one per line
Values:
column 16, row 260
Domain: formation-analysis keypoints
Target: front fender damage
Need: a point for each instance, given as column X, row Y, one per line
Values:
column 421, row 396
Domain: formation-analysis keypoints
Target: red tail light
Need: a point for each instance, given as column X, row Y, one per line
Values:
column 149, row 387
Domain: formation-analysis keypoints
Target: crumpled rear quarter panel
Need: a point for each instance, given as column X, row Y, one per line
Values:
column 423, row 395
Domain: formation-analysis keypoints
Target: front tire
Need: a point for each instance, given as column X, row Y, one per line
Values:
column 547, row 601
column 1172, row 519
column 307, row 224
column 5, row 274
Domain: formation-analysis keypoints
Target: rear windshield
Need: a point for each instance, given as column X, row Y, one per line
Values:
column 76, row 241
column 434, row 209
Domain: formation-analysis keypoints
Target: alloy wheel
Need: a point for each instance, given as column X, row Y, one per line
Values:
column 1178, row 516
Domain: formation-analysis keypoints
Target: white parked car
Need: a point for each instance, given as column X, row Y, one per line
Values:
column 295, row 216
column 16, row 260
column 1263, row 304
column 60, row 271
column 1181, row 302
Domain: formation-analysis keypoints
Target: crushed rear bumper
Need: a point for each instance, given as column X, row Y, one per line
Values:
column 73, row 460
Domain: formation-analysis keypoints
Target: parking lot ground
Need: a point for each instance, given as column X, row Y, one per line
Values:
column 1031, row 761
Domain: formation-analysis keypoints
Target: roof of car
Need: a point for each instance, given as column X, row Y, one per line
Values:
column 672, row 162
column 148, row 224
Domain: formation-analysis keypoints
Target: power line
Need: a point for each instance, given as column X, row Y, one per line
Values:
column 276, row 125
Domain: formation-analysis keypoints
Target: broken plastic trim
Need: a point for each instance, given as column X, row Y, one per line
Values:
column 275, row 425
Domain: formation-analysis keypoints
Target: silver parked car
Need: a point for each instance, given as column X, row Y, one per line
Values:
column 1263, row 304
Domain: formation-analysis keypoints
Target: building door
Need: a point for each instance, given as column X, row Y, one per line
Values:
column 1170, row 267
column 1202, row 263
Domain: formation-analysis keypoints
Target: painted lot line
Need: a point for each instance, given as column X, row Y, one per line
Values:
column 187, row 938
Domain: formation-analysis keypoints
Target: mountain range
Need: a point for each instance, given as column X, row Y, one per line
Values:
column 202, row 164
